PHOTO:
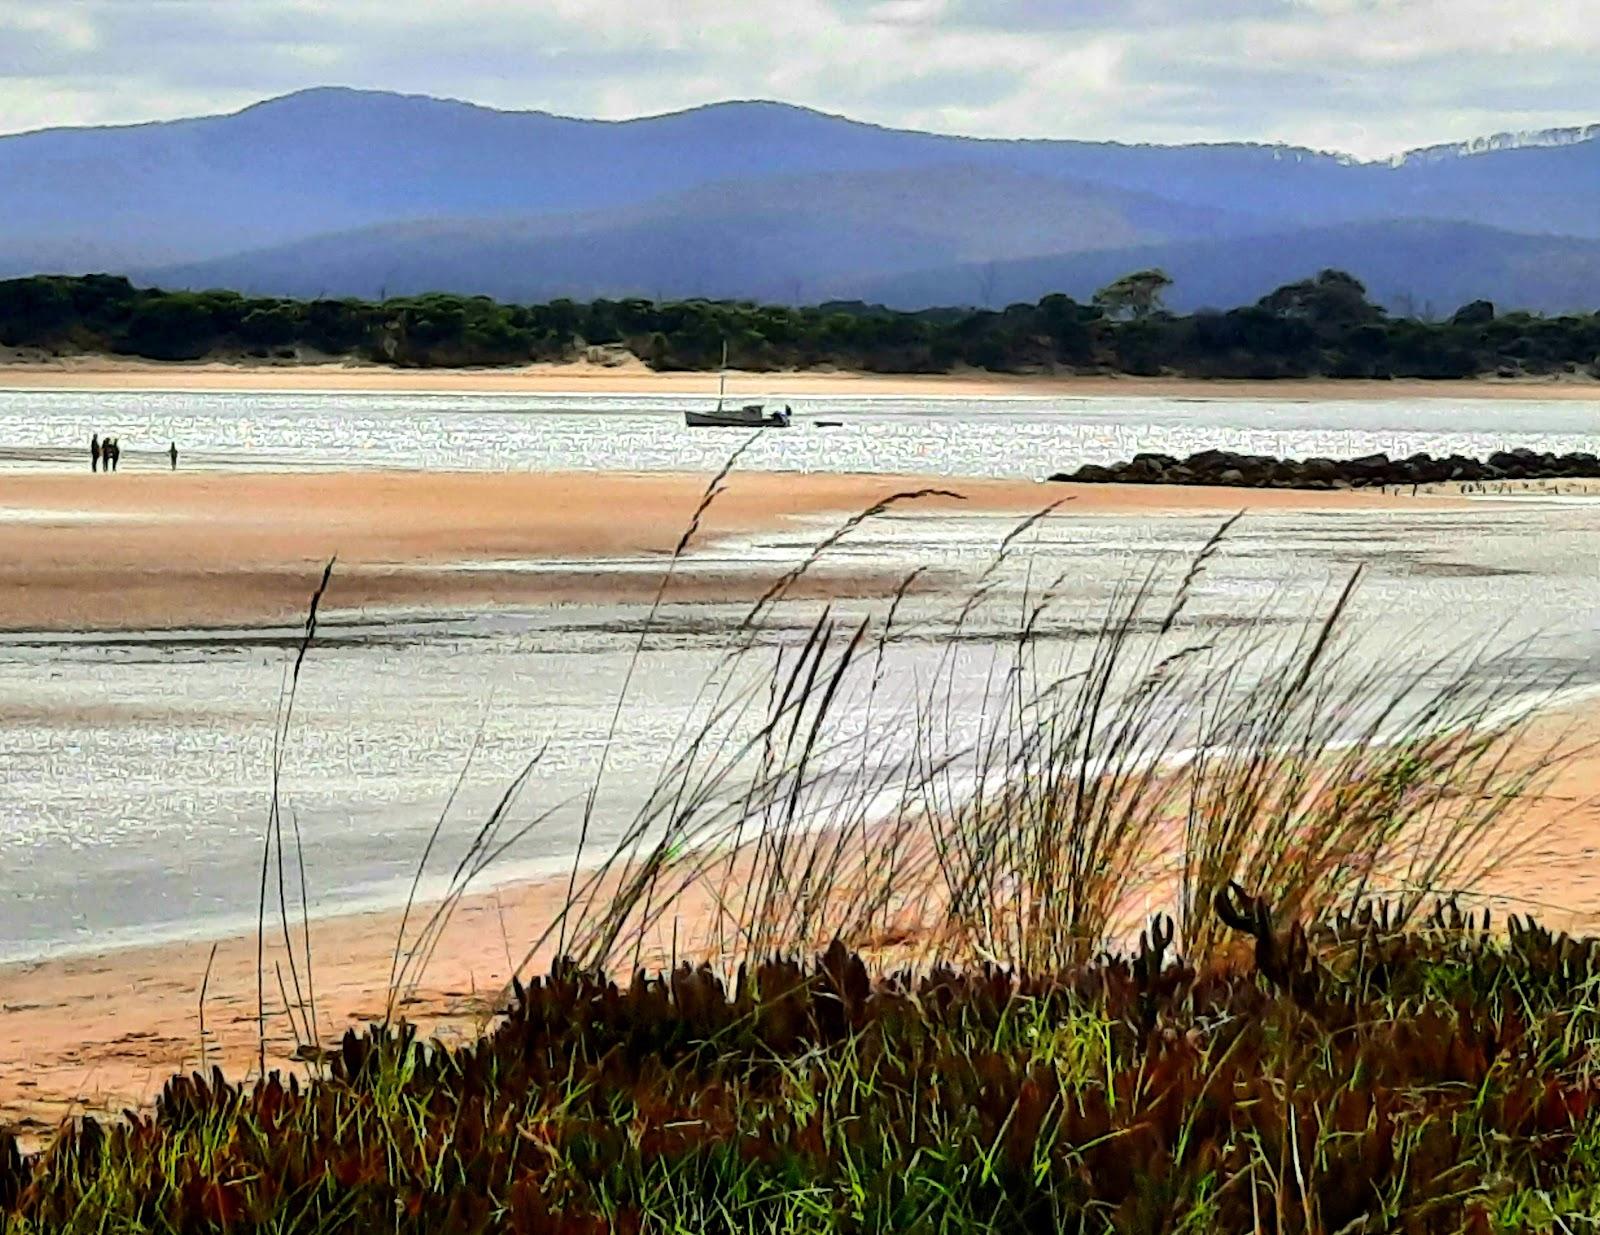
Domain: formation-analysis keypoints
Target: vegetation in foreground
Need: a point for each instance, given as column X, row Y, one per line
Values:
column 1321, row 326
column 1297, row 1045
column 1360, row 1078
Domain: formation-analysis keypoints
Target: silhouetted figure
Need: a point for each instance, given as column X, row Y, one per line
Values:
column 113, row 453
column 172, row 453
column 94, row 453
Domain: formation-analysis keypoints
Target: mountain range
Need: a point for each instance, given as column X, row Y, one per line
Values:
column 335, row 192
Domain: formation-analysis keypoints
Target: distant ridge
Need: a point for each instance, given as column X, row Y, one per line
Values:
column 1534, row 138
column 1414, row 267
column 336, row 191
column 340, row 95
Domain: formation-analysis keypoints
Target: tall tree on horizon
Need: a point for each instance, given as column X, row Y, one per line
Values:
column 1136, row 295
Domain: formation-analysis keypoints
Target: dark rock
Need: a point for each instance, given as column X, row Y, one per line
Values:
column 1089, row 473
column 1369, row 470
column 1210, row 462
column 1226, row 467
column 1147, row 469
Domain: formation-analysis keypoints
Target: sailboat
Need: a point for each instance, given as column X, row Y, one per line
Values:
column 749, row 416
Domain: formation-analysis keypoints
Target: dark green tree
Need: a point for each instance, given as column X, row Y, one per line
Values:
column 1476, row 313
column 1333, row 300
column 179, row 326
column 1135, row 295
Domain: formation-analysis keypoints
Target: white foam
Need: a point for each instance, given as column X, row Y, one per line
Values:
column 1539, row 499
column 39, row 514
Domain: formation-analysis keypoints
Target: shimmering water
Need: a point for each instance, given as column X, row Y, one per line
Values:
column 136, row 769
column 971, row 436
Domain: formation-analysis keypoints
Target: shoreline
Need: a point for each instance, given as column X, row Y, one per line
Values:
column 100, row 1031
column 548, row 873
column 102, row 1028
column 152, row 551
column 101, row 373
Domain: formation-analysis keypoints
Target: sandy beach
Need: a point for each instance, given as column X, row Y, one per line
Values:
column 102, row 1033
column 148, row 550
column 633, row 377
column 163, row 551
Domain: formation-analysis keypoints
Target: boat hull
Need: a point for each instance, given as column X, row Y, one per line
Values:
column 734, row 420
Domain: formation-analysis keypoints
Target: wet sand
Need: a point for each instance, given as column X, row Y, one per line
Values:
column 102, row 1033
column 633, row 377
column 145, row 551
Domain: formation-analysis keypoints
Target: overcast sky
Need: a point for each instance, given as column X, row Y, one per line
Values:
column 1365, row 76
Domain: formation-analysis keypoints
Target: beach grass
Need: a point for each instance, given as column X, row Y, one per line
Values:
column 1436, row 1078
column 1173, row 932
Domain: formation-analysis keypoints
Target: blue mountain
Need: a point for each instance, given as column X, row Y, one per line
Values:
column 336, row 192
column 1412, row 266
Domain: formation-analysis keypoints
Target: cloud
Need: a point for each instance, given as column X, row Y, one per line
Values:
column 1368, row 76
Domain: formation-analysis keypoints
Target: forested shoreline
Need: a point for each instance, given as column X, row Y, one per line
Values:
column 1320, row 327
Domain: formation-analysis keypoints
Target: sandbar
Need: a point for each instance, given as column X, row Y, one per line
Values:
column 631, row 377
column 140, row 550
column 206, row 550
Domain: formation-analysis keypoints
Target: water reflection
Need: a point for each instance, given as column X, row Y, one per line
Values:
column 137, row 767
column 1029, row 437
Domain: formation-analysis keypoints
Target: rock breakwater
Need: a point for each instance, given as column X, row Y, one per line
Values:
column 1228, row 468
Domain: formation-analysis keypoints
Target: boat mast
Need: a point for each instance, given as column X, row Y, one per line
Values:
column 722, row 377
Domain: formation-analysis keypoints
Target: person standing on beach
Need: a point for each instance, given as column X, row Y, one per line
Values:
column 94, row 453
column 113, row 453
column 172, row 453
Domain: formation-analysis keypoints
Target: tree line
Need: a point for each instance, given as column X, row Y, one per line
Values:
column 1320, row 326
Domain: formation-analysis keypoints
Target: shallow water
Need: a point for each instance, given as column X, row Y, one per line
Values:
column 949, row 436
column 136, row 769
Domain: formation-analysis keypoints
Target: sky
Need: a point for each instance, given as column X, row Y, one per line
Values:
column 1367, row 77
